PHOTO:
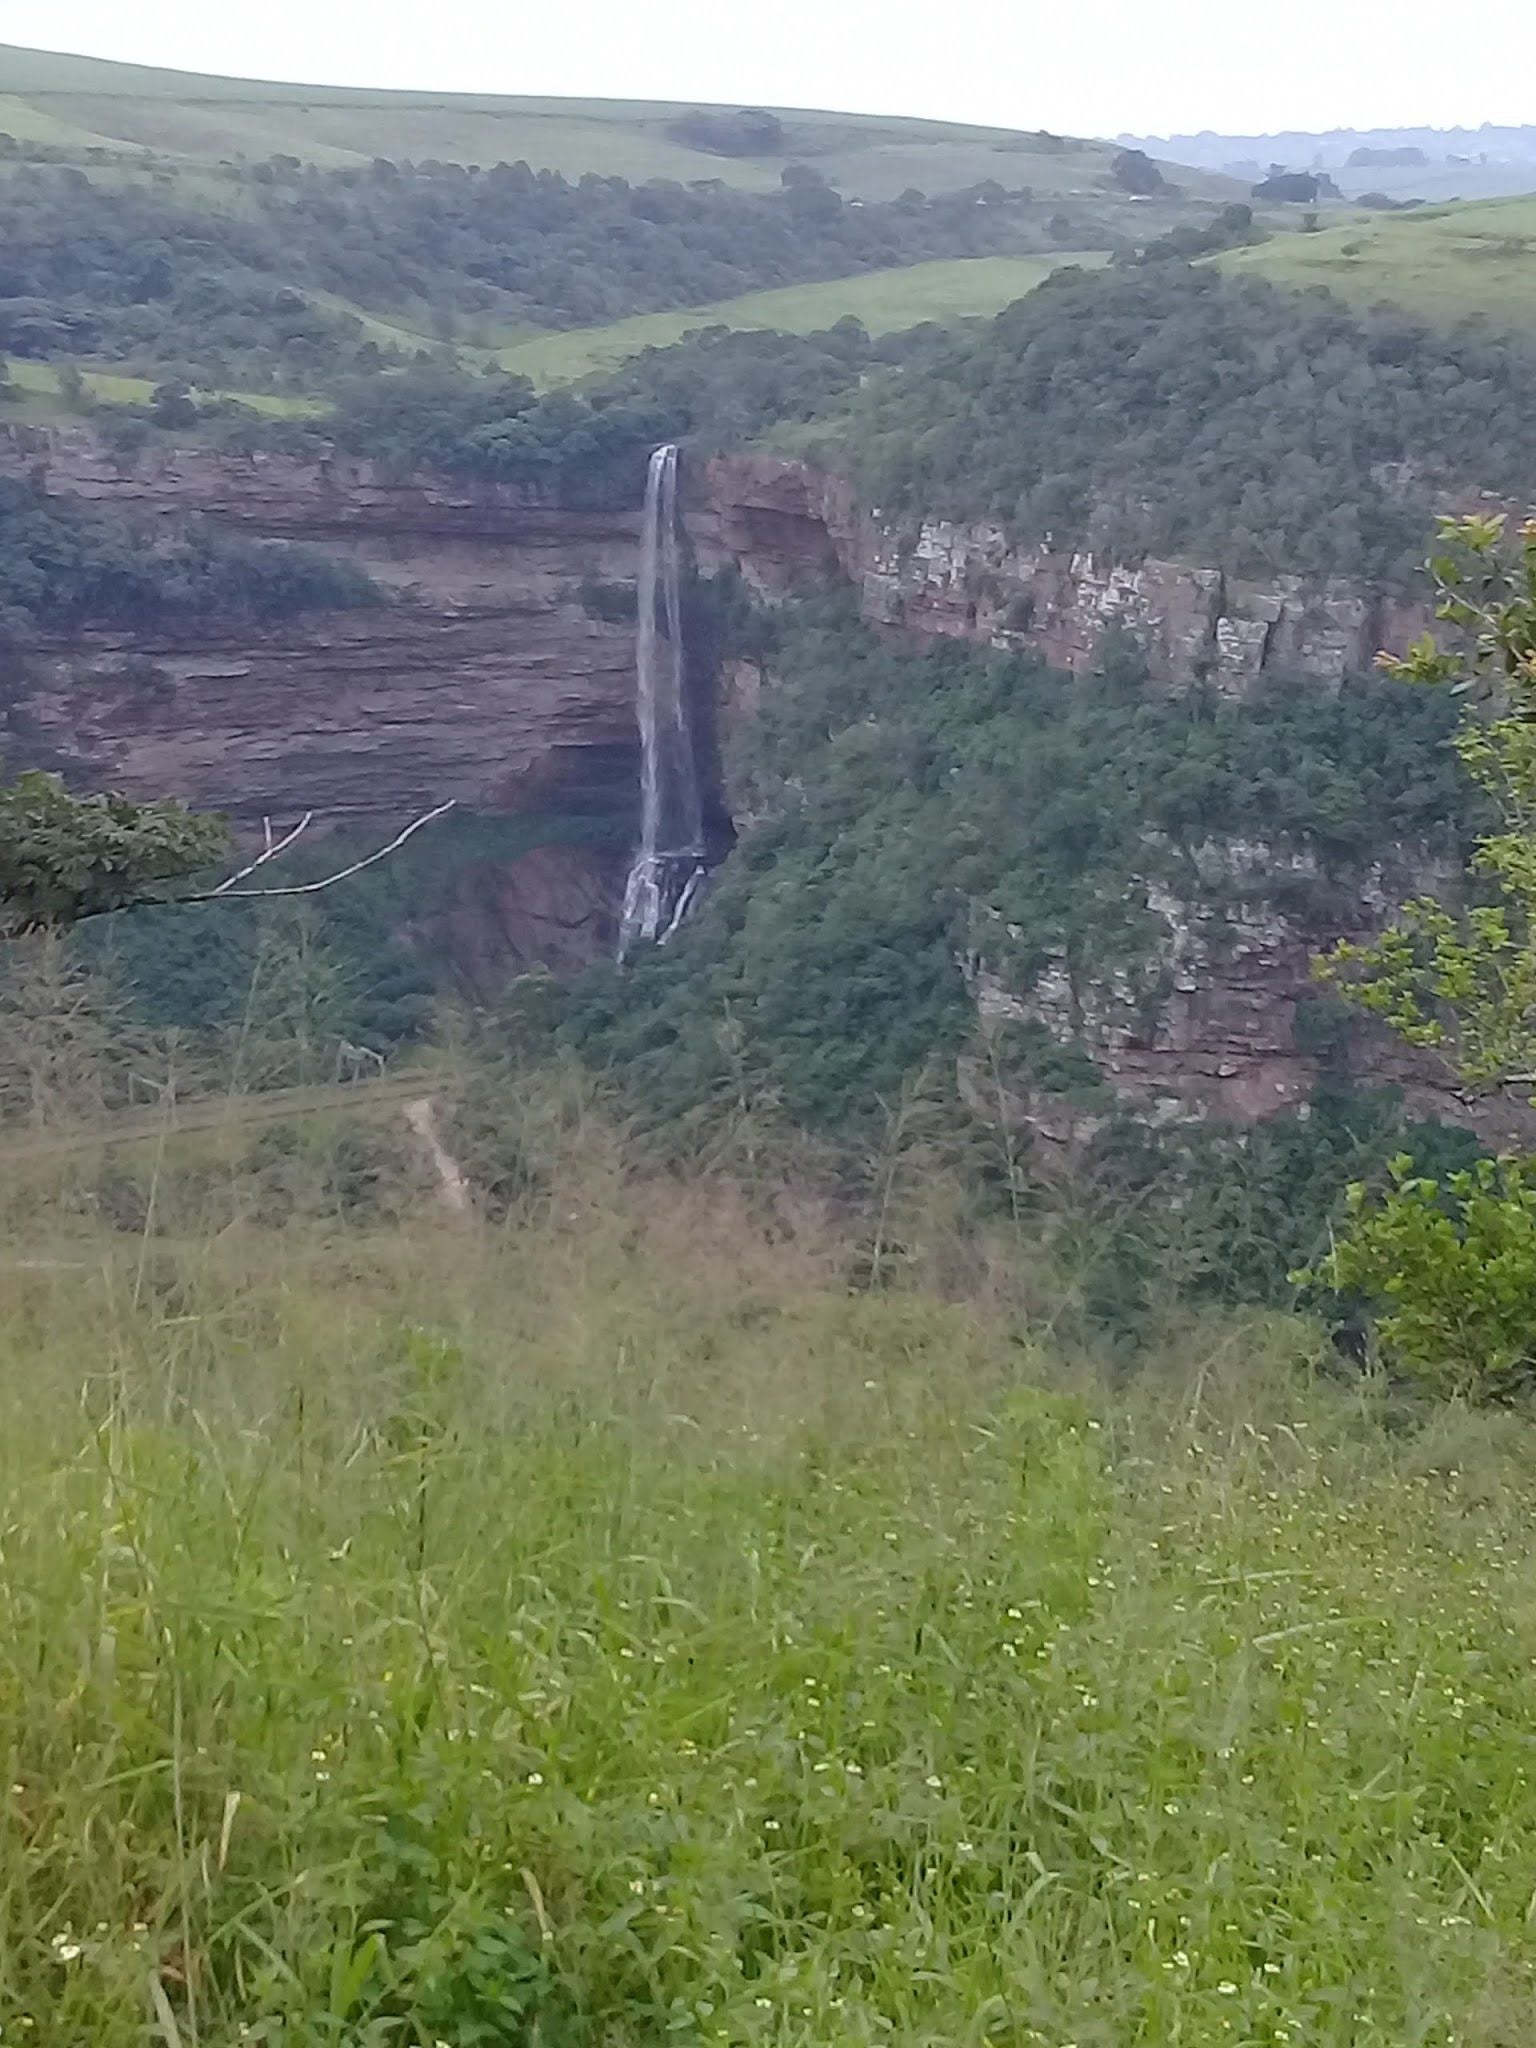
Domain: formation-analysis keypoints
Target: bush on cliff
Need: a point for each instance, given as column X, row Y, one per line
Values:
column 62, row 566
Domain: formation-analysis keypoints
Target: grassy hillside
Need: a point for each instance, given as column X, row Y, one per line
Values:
column 180, row 114
column 1443, row 263
column 886, row 301
column 611, row 1626
column 38, row 394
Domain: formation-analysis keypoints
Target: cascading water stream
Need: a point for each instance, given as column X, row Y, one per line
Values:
column 668, row 870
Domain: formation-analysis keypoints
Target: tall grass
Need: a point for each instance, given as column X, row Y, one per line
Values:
column 607, row 1627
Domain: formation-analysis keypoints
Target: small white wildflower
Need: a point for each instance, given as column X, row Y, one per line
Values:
column 535, row 1777
column 1227, row 1988
column 934, row 1784
column 65, row 1948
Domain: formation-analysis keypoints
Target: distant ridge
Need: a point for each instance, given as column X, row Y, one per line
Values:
column 53, row 97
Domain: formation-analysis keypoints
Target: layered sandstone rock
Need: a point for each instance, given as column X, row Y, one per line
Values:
column 1207, row 1025
column 787, row 525
column 484, row 678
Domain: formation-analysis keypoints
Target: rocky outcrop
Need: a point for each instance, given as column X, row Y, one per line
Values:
column 788, row 524
column 1220, row 1019
column 554, row 907
column 489, row 678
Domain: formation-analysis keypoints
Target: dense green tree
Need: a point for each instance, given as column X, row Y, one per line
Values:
column 1450, row 1262
column 64, row 857
column 61, row 565
column 254, row 294
column 914, row 809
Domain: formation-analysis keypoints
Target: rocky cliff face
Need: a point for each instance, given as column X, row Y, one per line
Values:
column 1212, row 1023
column 484, row 678
column 786, row 525
column 1221, row 1020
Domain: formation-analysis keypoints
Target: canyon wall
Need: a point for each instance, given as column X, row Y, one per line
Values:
column 786, row 524
column 485, row 677
column 1217, row 1021
column 1220, row 1020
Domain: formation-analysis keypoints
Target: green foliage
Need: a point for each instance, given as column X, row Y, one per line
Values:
column 1221, row 1215
column 380, row 940
column 1135, row 171
column 1443, row 264
column 263, row 285
column 61, row 565
column 1168, row 410
column 1451, row 1265
column 589, row 445
column 1464, row 982
column 913, row 809
column 64, row 857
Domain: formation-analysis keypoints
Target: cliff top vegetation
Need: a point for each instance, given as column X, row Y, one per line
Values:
column 1442, row 263
column 1165, row 409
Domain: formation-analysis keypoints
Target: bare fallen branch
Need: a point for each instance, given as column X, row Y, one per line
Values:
column 227, row 892
column 274, row 850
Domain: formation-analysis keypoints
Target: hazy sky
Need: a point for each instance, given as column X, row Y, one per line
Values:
column 1084, row 66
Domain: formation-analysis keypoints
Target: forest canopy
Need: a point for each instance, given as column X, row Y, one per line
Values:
column 1167, row 410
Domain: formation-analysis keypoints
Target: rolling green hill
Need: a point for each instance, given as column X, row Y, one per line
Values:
column 885, row 301
column 1443, row 263
column 88, row 102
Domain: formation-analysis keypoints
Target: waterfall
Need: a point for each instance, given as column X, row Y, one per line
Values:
column 668, row 870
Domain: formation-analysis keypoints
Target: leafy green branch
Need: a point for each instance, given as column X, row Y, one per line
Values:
column 1464, row 981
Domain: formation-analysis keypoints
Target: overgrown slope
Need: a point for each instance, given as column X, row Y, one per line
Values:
column 1166, row 409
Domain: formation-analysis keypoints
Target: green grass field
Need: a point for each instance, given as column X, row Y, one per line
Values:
column 1444, row 263
column 191, row 117
column 609, row 1625
column 38, row 384
column 885, row 300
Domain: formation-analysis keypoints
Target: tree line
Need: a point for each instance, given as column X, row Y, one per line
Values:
column 258, row 282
